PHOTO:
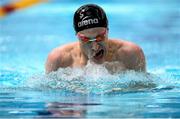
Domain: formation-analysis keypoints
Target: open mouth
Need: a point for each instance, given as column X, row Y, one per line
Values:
column 99, row 54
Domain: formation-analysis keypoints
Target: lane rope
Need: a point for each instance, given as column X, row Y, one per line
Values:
column 12, row 7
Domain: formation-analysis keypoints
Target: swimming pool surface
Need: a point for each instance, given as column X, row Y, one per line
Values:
column 27, row 36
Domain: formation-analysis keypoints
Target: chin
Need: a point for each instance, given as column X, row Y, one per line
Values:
column 98, row 61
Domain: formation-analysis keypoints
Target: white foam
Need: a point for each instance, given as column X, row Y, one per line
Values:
column 91, row 79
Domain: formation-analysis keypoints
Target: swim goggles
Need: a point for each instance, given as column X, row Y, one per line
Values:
column 98, row 38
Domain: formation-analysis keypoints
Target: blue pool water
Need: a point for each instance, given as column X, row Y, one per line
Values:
column 27, row 36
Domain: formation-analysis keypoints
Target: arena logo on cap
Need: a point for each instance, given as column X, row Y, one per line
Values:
column 88, row 22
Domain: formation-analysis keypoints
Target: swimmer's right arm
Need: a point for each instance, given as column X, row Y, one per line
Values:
column 51, row 63
column 58, row 58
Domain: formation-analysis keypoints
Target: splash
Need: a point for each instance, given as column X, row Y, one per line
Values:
column 92, row 79
column 169, row 77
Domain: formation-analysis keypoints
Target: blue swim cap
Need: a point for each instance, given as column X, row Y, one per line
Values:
column 89, row 16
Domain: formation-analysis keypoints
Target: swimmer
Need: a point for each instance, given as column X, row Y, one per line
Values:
column 94, row 45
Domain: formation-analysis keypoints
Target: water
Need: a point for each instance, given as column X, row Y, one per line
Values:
column 27, row 36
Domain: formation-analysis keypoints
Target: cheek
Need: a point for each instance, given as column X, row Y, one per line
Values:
column 103, row 45
column 86, row 48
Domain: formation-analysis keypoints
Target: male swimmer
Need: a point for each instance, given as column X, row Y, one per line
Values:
column 91, row 27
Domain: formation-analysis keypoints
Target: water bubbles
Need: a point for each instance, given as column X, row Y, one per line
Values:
column 92, row 79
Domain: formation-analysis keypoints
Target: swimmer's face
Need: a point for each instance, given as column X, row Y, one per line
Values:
column 93, row 42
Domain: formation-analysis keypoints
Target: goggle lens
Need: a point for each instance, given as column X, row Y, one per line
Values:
column 98, row 38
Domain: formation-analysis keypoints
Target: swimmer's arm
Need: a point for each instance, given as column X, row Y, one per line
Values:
column 133, row 58
column 137, row 60
column 58, row 58
column 52, row 63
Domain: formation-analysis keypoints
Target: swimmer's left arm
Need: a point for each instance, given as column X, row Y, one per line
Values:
column 137, row 60
column 134, row 59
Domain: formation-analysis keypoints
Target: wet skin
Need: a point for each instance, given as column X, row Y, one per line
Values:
column 117, row 55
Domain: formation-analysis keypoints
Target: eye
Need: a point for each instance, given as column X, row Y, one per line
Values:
column 85, row 39
column 99, row 38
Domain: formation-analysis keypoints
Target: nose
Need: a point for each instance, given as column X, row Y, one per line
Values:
column 95, row 46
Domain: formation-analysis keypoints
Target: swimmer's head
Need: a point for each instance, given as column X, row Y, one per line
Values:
column 89, row 16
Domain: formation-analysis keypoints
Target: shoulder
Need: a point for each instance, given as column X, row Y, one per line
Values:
column 63, row 51
column 131, row 54
column 131, row 48
column 60, row 57
column 123, row 46
column 127, row 47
